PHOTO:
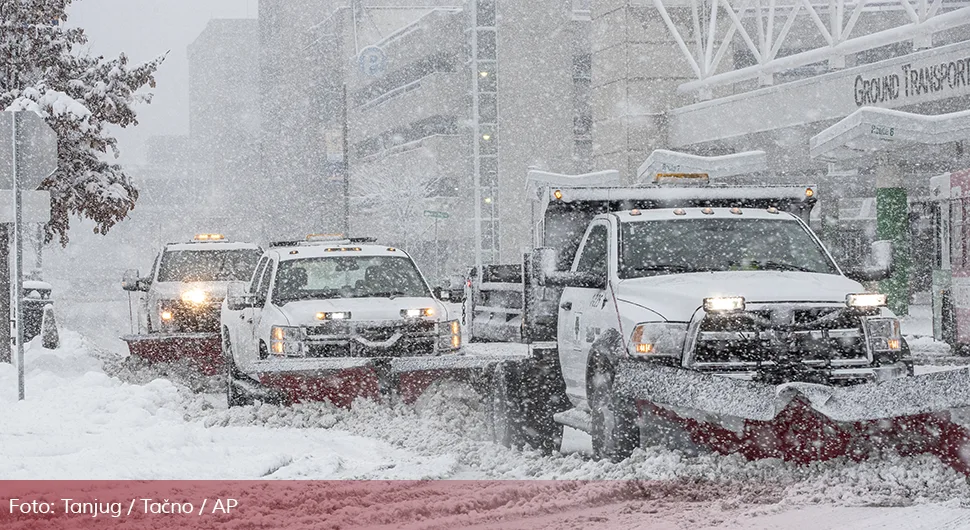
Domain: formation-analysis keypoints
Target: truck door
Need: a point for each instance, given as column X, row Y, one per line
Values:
column 252, row 316
column 581, row 308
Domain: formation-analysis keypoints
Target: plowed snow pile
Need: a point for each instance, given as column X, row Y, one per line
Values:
column 78, row 422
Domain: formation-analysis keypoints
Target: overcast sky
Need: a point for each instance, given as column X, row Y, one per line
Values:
column 143, row 29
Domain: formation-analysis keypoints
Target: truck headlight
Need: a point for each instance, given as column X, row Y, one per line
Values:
column 449, row 335
column 865, row 300
column 658, row 339
column 724, row 303
column 286, row 341
column 884, row 334
column 195, row 297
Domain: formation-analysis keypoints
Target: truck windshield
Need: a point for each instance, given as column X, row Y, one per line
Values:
column 207, row 265
column 347, row 277
column 652, row 248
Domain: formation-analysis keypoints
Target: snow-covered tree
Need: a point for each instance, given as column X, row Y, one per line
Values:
column 45, row 68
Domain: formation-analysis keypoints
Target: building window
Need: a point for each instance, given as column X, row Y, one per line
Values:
column 488, row 166
column 487, row 78
column 582, row 125
column 487, row 108
column 582, row 67
column 486, row 13
column 488, row 141
column 486, row 44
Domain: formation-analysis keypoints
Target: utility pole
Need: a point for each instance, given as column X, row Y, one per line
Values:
column 345, row 163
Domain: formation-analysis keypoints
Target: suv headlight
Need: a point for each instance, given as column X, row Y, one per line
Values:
column 658, row 339
column 884, row 334
column 195, row 297
column 286, row 341
column 449, row 335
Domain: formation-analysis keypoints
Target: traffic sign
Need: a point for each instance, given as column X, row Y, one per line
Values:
column 37, row 152
column 372, row 61
column 436, row 215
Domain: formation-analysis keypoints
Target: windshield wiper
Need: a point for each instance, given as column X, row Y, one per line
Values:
column 781, row 266
column 665, row 267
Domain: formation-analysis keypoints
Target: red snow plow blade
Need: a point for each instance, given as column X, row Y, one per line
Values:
column 344, row 387
column 343, row 380
column 201, row 350
column 804, row 422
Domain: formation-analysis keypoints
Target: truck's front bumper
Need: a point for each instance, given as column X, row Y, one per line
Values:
column 202, row 350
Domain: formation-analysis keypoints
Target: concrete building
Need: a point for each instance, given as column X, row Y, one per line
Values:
column 388, row 93
column 224, row 122
column 297, row 196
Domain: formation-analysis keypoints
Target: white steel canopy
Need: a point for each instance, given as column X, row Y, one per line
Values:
column 870, row 131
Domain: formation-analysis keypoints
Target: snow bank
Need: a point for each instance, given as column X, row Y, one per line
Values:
column 80, row 423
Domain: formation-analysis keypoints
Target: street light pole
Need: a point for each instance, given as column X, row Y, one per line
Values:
column 476, row 147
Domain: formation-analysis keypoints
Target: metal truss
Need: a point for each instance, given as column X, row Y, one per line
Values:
column 764, row 25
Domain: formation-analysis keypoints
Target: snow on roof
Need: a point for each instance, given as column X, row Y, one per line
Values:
column 663, row 161
column 210, row 245
column 870, row 130
column 336, row 249
column 537, row 181
column 670, row 194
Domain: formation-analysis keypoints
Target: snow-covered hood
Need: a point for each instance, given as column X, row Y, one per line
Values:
column 174, row 290
column 676, row 297
column 304, row 312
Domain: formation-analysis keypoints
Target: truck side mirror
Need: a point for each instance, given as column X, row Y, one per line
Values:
column 238, row 297
column 879, row 266
column 441, row 294
column 131, row 282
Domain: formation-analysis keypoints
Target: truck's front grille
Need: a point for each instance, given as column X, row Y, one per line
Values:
column 371, row 339
column 816, row 335
column 188, row 318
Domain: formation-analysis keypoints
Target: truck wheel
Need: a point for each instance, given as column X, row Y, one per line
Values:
column 234, row 397
column 615, row 432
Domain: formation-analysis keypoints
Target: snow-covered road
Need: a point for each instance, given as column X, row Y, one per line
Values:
column 92, row 415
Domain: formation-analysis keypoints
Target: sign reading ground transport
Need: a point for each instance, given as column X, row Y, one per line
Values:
column 912, row 79
column 928, row 76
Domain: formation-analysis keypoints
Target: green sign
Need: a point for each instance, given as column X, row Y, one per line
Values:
column 436, row 215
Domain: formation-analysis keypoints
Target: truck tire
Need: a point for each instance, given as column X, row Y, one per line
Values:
column 615, row 432
column 502, row 424
column 234, row 396
column 521, row 401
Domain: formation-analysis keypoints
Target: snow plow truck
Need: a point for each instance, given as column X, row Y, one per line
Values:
column 337, row 318
column 175, row 309
column 704, row 318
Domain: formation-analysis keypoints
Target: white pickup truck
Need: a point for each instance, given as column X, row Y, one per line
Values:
column 640, row 296
column 178, row 303
column 332, row 318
